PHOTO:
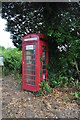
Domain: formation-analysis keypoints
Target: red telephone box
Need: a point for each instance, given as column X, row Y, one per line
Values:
column 34, row 61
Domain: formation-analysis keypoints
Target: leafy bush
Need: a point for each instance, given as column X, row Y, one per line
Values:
column 45, row 88
column 64, row 63
column 12, row 61
column 59, row 79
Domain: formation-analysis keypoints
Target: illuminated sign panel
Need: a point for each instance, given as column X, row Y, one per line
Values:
column 29, row 47
column 29, row 39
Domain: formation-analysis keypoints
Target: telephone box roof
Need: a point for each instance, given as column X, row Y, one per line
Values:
column 41, row 36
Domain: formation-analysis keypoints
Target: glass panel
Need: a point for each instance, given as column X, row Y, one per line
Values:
column 29, row 52
column 29, row 62
column 44, row 48
column 29, row 57
column 29, row 77
column 44, row 60
column 44, row 54
column 30, row 80
column 30, row 66
column 44, row 66
column 44, row 71
column 29, row 72
column 32, row 83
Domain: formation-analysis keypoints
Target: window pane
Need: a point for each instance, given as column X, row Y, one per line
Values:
column 29, row 77
column 44, row 71
column 30, row 62
column 44, row 66
column 29, row 72
column 43, row 62
column 29, row 57
column 44, row 48
column 30, row 80
column 32, row 83
column 30, row 66
column 44, row 54
column 29, row 52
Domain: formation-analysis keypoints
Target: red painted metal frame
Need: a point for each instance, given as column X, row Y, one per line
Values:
column 38, row 51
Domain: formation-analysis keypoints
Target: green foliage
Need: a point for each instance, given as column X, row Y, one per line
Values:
column 66, row 99
column 20, row 22
column 76, row 94
column 64, row 53
column 12, row 61
column 61, row 80
column 45, row 88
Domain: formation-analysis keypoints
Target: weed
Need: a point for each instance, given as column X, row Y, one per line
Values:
column 66, row 99
column 45, row 88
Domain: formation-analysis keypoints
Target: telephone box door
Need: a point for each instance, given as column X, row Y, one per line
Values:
column 29, row 74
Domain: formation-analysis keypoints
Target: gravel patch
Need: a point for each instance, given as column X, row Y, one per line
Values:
column 18, row 103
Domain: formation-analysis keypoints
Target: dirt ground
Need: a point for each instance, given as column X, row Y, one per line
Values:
column 18, row 103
